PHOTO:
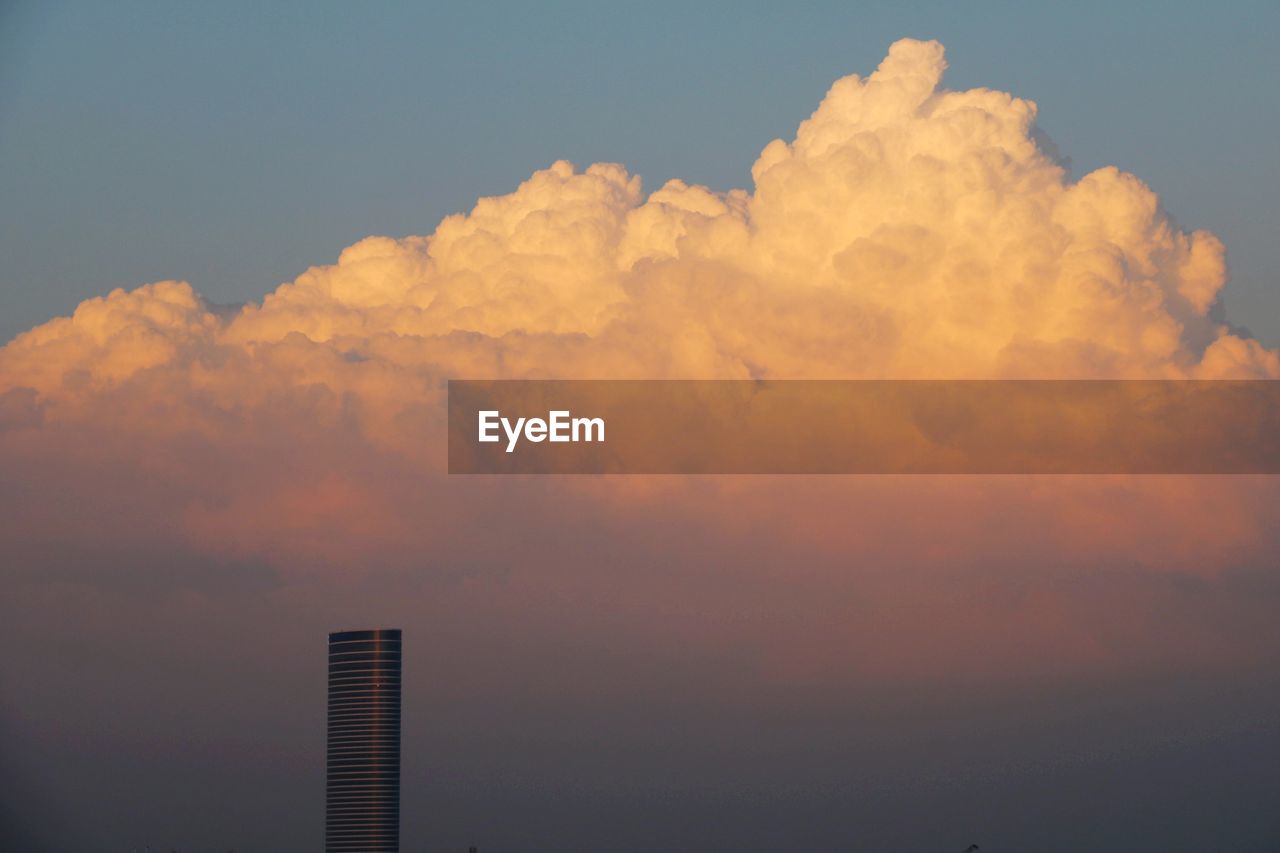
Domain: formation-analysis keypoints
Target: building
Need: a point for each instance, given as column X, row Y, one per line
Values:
column 362, row 785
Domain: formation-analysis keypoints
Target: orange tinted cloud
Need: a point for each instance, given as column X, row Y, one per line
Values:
column 905, row 231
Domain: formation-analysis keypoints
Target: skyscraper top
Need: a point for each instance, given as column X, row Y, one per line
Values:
column 392, row 634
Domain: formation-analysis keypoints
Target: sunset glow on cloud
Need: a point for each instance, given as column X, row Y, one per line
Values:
column 906, row 231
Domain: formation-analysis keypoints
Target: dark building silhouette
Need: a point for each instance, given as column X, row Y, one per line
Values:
column 362, row 790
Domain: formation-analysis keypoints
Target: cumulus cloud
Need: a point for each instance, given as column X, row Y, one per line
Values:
column 905, row 231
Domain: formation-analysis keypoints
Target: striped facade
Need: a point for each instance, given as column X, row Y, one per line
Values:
column 362, row 790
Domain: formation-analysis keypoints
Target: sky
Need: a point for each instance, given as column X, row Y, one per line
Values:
column 243, row 254
column 149, row 141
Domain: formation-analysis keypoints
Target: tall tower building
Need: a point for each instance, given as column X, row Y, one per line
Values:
column 362, row 786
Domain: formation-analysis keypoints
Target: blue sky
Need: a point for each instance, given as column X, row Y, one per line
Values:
column 233, row 146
